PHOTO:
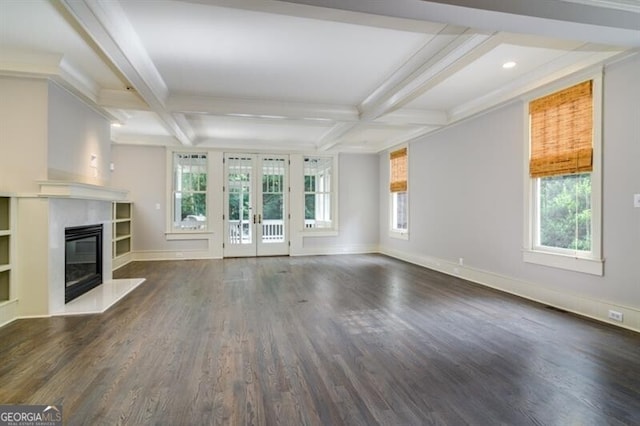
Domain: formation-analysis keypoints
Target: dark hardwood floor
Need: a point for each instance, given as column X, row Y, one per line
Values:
column 357, row 340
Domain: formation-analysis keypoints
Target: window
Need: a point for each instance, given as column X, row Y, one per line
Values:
column 564, row 179
column 318, row 193
column 398, row 187
column 189, row 191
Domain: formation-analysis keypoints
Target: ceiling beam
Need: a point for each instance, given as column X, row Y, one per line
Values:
column 332, row 13
column 333, row 136
column 191, row 104
column 558, row 19
column 107, row 24
column 122, row 99
column 434, row 62
column 421, row 117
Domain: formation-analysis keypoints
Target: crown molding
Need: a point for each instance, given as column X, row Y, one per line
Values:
column 54, row 67
column 564, row 67
column 145, row 140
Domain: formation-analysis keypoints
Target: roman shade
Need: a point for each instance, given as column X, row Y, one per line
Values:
column 398, row 176
column 562, row 131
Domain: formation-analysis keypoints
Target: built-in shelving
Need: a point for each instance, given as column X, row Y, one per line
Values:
column 121, row 236
column 6, row 235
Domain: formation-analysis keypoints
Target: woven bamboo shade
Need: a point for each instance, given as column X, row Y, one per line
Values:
column 561, row 132
column 398, row 181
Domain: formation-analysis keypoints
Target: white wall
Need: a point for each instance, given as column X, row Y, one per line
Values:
column 466, row 201
column 47, row 133
column 75, row 133
column 23, row 134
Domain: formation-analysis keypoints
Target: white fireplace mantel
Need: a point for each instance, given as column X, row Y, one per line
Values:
column 82, row 191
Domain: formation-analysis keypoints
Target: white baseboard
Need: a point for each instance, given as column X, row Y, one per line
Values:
column 8, row 311
column 585, row 306
column 172, row 255
column 322, row 251
column 120, row 261
column 204, row 254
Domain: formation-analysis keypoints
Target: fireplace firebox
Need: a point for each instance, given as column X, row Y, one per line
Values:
column 83, row 260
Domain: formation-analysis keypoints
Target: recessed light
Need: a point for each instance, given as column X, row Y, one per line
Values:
column 116, row 124
column 508, row 65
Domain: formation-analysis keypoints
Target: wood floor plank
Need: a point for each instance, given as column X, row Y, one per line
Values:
column 328, row 340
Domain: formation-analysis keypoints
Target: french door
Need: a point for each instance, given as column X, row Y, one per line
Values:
column 256, row 199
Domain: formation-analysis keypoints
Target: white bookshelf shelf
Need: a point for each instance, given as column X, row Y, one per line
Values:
column 121, row 233
column 6, row 248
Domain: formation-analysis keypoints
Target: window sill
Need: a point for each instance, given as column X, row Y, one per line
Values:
column 399, row 235
column 563, row 261
column 187, row 235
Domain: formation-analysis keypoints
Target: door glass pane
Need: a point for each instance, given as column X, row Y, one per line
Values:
column 240, row 212
column 273, row 200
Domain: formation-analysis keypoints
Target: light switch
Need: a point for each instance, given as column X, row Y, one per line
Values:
column 636, row 200
column 157, row 206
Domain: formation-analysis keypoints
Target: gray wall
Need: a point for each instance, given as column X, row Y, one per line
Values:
column 466, row 196
column 358, row 202
column 142, row 170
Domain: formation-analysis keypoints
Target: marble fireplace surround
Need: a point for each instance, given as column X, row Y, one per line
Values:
column 79, row 204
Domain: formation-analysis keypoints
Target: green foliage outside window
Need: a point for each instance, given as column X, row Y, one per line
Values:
column 309, row 199
column 272, row 197
column 565, row 212
column 194, row 203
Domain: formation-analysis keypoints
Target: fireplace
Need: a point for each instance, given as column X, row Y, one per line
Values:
column 82, row 260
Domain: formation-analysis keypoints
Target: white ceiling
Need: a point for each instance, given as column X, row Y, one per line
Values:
column 304, row 75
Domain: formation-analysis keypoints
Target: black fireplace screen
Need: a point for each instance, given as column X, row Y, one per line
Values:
column 82, row 260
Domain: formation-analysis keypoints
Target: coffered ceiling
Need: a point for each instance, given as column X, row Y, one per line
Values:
column 310, row 75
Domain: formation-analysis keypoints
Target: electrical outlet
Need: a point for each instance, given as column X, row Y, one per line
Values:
column 636, row 200
column 461, row 261
column 616, row 316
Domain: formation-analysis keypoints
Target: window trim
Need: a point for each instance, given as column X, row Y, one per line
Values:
column 585, row 262
column 397, row 233
column 333, row 230
column 172, row 233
